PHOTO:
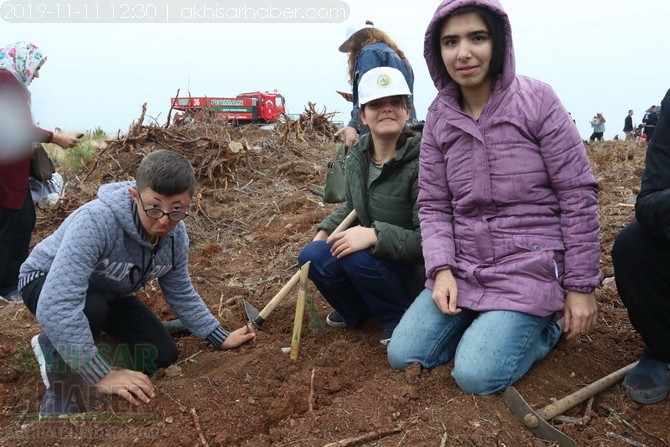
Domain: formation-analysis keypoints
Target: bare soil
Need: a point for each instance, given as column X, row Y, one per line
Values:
column 253, row 214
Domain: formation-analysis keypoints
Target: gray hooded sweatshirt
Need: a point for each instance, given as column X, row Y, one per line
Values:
column 102, row 251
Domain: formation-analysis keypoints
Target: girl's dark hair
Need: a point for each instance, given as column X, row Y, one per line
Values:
column 494, row 25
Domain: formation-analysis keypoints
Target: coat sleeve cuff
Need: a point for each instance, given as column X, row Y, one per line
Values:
column 95, row 370
column 217, row 337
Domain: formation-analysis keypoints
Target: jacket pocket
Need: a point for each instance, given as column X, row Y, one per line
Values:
column 548, row 252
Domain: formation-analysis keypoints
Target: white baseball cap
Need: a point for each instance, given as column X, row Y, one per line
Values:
column 352, row 29
column 381, row 82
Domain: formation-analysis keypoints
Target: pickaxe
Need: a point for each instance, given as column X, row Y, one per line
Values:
column 258, row 318
column 536, row 420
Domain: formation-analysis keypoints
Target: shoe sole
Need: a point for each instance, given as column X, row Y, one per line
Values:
column 41, row 360
column 332, row 323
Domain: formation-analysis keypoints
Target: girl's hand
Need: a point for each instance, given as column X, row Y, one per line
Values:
column 351, row 240
column 581, row 314
column 445, row 292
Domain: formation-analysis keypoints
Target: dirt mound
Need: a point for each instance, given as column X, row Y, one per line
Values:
column 253, row 213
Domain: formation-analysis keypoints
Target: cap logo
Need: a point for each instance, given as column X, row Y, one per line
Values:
column 383, row 80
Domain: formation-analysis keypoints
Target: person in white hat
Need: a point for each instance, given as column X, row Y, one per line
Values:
column 374, row 269
column 369, row 47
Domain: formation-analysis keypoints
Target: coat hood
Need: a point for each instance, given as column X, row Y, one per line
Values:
column 431, row 51
column 122, row 208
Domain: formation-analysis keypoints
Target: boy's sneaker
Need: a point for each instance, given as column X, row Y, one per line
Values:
column 334, row 319
column 648, row 382
column 9, row 296
column 54, row 404
column 385, row 337
column 40, row 344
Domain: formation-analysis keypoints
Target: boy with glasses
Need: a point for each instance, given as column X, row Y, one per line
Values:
column 81, row 282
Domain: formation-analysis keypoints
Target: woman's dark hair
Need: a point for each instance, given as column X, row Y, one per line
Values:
column 494, row 25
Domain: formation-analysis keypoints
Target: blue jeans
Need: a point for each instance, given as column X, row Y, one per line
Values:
column 491, row 350
column 360, row 285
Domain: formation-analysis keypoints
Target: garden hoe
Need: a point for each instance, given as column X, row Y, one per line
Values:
column 258, row 318
column 536, row 420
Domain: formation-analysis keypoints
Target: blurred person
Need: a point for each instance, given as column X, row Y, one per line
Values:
column 369, row 270
column 598, row 124
column 641, row 257
column 369, row 47
column 628, row 128
column 81, row 283
column 20, row 64
column 508, row 210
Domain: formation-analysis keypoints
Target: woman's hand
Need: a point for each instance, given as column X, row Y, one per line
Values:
column 581, row 314
column 64, row 140
column 129, row 384
column 239, row 337
column 322, row 235
column 445, row 292
column 351, row 240
column 350, row 135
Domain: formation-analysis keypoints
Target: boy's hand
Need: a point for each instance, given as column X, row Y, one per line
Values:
column 129, row 384
column 239, row 337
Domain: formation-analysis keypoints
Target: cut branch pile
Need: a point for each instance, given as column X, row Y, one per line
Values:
column 311, row 122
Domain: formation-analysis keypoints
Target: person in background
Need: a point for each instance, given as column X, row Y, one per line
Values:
column 650, row 119
column 20, row 64
column 370, row 269
column 641, row 257
column 598, row 124
column 628, row 126
column 508, row 207
column 369, row 47
column 81, row 283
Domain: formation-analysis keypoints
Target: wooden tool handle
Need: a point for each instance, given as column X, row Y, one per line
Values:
column 274, row 302
column 560, row 406
column 299, row 311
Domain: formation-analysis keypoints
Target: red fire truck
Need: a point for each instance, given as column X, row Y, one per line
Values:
column 251, row 107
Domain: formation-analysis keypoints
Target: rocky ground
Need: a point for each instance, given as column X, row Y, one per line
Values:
column 254, row 211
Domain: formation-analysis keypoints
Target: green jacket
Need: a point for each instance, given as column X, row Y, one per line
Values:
column 389, row 204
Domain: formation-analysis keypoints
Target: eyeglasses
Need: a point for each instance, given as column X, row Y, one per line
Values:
column 157, row 213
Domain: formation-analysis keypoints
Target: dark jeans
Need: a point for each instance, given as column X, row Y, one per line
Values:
column 16, row 227
column 642, row 274
column 125, row 330
column 360, row 285
column 596, row 136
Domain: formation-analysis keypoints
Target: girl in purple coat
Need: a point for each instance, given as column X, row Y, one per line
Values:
column 508, row 211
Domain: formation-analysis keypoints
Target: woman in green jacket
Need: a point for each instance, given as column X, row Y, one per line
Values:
column 369, row 270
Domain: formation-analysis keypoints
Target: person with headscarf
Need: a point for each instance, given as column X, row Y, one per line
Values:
column 20, row 64
column 508, row 207
column 367, row 48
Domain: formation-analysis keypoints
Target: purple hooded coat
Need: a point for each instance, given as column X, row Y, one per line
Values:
column 507, row 202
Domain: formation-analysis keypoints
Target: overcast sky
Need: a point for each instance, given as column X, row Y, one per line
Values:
column 599, row 56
